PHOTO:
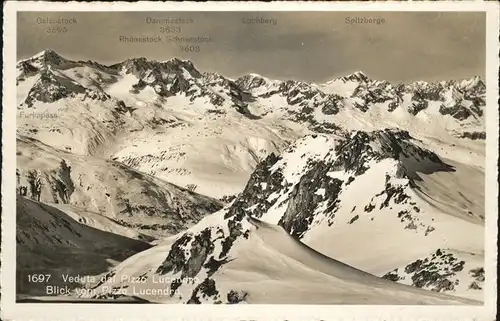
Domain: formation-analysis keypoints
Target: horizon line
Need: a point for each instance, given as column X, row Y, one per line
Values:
column 367, row 75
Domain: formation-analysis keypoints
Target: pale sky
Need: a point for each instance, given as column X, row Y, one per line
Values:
column 309, row 46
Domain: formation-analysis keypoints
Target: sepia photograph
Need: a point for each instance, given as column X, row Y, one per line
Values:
column 251, row 157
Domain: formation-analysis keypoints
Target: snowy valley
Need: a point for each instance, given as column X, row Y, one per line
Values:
column 181, row 186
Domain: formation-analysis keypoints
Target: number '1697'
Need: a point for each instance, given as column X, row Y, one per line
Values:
column 38, row 278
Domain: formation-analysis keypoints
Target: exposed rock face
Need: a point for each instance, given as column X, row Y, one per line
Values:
column 460, row 100
column 369, row 92
column 254, row 195
column 478, row 275
column 195, row 257
column 25, row 70
column 205, row 290
column 96, row 95
column 51, row 86
column 250, row 82
column 205, row 252
column 200, row 254
column 300, row 212
column 234, row 297
column 58, row 184
column 457, row 111
column 303, row 95
column 439, row 272
column 48, row 89
column 353, row 153
column 169, row 78
column 238, row 95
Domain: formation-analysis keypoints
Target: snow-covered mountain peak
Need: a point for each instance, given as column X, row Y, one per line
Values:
column 183, row 65
column 216, row 78
column 186, row 63
column 352, row 153
column 48, row 57
column 136, row 66
column 358, row 76
column 44, row 60
column 257, row 84
column 307, row 182
column 474, row 83
column 143, row 66
column 392, row 144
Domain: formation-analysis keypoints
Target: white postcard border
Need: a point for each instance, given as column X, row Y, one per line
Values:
column 62, row 311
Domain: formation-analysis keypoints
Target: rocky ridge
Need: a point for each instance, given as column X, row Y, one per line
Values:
column 461, row 100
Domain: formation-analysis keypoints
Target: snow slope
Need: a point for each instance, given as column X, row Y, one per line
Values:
column 265, row 265
column 50, row 241
column 108, row 188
